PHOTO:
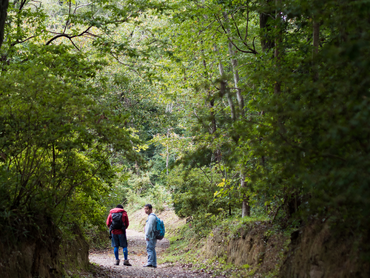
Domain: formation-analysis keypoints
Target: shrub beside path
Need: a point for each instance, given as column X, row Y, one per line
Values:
column 104, row 261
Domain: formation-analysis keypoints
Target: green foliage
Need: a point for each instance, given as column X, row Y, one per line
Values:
column 194, row 190
column 141, row 191
column 301, row 140
column 233, row 102
column 56, row 136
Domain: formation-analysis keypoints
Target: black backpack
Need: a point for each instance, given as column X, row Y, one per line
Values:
column 117, row 223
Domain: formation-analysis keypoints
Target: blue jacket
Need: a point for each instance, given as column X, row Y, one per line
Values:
column 151, row 225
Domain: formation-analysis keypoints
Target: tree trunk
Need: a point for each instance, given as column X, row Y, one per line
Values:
column 277, row 87
column 3, row 14
column 169, row 108
column 213, row 127
column 167, row 152
column 213, row 116
column 234, row 64
column 226, row 90
column 246, row 209
column 316, row 37
column 267, row 42
column 137, row 168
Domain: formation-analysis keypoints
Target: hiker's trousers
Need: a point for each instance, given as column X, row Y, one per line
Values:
column 150, row 249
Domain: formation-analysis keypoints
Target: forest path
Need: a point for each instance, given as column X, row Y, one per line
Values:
column 137, row 256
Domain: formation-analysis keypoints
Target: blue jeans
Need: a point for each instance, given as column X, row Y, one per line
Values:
column 150, row 249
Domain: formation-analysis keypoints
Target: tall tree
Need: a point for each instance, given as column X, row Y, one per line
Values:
column 3, row 14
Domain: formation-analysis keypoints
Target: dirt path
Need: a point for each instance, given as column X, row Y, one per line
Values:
column 104, row 261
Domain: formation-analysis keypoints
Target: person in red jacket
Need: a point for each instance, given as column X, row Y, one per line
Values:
column 117, row 222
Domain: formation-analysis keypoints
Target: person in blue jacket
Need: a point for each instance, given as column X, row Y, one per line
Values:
column 150, row 237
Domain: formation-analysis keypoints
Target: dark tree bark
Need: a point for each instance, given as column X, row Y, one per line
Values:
column 266, row 26
column 3, row 13
column 316, row 38
column 278, row 40
column 212, row 114
column 246, row 208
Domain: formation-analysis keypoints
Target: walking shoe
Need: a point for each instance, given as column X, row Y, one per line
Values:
column 117, row 262
column 126, row 262
column 149, row 265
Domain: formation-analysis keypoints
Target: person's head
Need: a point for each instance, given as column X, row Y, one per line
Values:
column 119, row 206
column 148, row 209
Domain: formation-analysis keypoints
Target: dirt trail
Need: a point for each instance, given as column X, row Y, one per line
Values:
column 137, row 255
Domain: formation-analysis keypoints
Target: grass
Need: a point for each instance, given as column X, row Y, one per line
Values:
column 177, row 252
column 188, row 248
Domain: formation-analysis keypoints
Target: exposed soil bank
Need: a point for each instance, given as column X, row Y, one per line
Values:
column 314, row 251
column 253, row 246
column 42, row 253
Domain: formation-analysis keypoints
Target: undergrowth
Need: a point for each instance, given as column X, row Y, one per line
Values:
column 187, row 246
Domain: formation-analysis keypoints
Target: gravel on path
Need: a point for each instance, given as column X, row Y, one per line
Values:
column 104, row 261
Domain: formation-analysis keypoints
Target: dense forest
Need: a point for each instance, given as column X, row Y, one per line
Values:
column 219, row 109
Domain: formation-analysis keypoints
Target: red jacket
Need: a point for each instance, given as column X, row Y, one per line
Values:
column 124, row 219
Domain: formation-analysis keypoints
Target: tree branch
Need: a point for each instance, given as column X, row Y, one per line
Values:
column 21, row 6
column 127, row 65
column 69, row 16
column 247, row 26
column 81, row 6
column 205, row 175
column 251, row 51
column 74, row 44
column 17, row 41
column 68, row 36
column 77, row 184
